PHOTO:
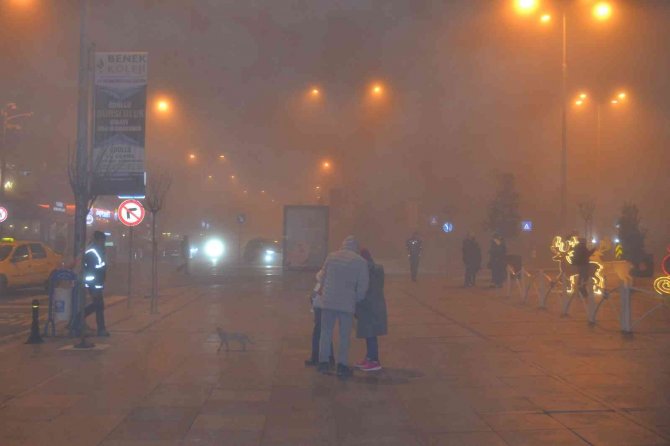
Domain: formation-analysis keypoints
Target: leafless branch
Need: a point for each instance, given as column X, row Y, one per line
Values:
column 158, row 185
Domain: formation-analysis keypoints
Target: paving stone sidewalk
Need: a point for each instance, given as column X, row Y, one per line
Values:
column 462, row 367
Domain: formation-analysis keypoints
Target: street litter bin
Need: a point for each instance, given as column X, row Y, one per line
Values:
column 61, row 291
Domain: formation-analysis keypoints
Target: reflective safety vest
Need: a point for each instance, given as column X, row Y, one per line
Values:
column 95, row 267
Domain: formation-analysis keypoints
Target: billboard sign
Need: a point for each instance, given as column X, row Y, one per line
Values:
column 305, row 236
column 119, row 123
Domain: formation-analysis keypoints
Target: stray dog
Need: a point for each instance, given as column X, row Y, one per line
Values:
column 226, row 337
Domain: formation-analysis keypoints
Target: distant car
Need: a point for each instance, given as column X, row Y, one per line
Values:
column 262, row 251
column 26, row 263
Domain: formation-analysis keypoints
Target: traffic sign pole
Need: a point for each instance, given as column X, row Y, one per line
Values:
column 130, row 262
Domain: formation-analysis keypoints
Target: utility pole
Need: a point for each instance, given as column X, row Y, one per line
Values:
column 564, row 129
column 81, row 195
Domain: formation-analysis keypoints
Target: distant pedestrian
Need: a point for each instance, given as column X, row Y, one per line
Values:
column 498, row 260
column 414, row 248
column 371, row 320
column 95, row 271
column 581, row 259
column 472, row 258
column 185, row 255
column 316, row 331
column 345, row 280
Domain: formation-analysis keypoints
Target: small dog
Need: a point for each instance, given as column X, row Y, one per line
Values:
column 226, row 337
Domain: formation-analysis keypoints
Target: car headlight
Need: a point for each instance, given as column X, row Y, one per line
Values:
column 269, row 256
column 214, row 248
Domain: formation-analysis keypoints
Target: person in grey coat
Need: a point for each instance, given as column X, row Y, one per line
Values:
column 371, row 315
column 344, row 278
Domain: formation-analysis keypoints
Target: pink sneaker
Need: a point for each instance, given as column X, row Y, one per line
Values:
column 371, row 366
column 361, row 364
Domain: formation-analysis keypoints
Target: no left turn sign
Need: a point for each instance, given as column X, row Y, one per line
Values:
column 3, row 214
column 131, row 213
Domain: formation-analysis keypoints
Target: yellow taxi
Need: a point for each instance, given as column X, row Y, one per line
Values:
column 26, row 263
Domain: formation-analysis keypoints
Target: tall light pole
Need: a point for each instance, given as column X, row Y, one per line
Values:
column 564, row 125
column 7, row 117
column 601, row 11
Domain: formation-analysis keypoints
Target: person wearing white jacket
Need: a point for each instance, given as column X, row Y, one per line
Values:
column 345, row 279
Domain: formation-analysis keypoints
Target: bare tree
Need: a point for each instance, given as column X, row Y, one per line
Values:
column 586, row 210
column 158, row 186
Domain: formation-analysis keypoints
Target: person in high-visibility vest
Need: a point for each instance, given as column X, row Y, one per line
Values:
column 95, row 270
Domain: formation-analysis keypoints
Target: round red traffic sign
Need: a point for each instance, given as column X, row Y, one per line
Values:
column 3, row 214
column 131, row 213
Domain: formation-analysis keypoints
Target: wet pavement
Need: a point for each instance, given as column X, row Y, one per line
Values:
column 461, row 367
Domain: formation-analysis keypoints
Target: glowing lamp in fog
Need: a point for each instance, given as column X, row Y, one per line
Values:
column 526, row 6
column 163, row 106
column 214, row 248
column 594, row 240
column 621, row 96
column 545, row 18
column 602, row 11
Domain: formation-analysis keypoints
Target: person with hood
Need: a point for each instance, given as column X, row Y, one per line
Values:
column 371, row 315
column 472, row 258
column 344, row 279
column 498, row 260
column 414, row 247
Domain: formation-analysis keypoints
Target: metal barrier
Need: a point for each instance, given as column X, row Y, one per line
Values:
column 542, row 284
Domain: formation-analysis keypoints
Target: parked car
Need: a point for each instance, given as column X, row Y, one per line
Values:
column 26, row 263
column 262, row 251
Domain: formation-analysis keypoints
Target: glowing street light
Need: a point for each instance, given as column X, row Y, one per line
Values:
column 526, row 7
column 326, row 165
column 315, row 92
column 377, row 90
column 621, row 95
column 191, row 156
column 602, row 11
column 545, row 18
column 222, row 157
column 232, row 177
column 579, row 102
column 163, row 106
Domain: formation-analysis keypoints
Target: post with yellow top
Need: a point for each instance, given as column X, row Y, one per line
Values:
column 35, row 337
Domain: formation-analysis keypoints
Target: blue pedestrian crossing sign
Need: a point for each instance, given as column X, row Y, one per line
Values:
column 527, row 226
column 448, row 227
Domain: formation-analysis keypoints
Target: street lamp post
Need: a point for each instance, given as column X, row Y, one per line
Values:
column 564, row 125
column 601, row 11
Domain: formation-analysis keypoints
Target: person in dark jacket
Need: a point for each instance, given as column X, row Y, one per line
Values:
column 414, row 247
column 581, row 258
column 371, row 315
column 472, row 258
column 497, row 262
column 95, row 272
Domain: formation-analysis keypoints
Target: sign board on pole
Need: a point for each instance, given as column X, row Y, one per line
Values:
column 90, row 219
column 241, row 218
column 448, row 227
column 131, row 213
column 527, row 226
column 3, row 214
column 120, row 100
